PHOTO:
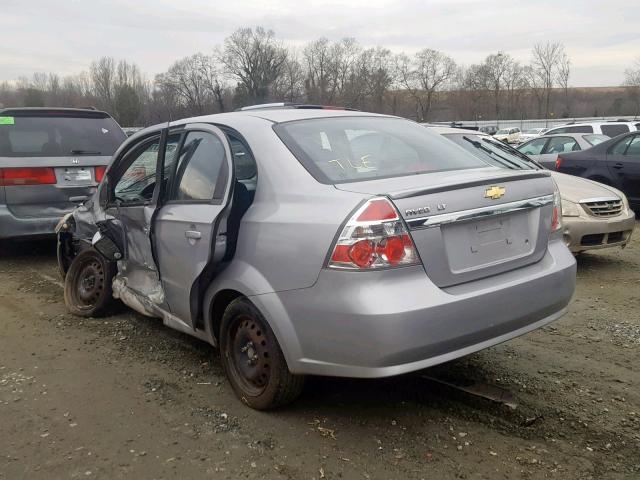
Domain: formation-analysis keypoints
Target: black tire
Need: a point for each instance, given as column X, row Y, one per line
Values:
column 253, row 360
column 87, row 285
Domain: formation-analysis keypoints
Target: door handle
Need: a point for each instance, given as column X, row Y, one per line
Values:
column 618, row 166
column 193, row 234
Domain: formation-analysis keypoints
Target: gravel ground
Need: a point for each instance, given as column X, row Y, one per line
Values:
column 125, row 397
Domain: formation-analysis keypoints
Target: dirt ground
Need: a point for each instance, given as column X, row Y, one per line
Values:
column 125, row 397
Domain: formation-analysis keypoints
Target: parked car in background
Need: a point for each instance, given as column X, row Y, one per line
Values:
column 593, row 215
column 545, row 149
column 615, row 162
column 51, row 159
column 610, row 129
column 508, row 135
column 531, row 133
column 321, row 234
column 489, row 129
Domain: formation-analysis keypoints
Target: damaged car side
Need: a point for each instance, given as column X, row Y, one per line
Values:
column 308, row 241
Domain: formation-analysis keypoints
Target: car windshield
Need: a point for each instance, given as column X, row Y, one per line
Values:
column 595, row 139
column 351, row 149
column 494, row 152
column 502, row 132
column 27, row 134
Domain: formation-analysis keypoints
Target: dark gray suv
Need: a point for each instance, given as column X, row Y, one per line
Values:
column 51, row 159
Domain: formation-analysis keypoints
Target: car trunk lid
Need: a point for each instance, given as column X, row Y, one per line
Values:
column 471, row 224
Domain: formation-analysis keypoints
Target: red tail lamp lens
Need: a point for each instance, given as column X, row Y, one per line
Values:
column 99, row 173
column 378, row 210
column 362, row 253
column 27, row 176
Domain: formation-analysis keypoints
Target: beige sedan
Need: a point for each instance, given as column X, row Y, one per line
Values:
column 594, row 215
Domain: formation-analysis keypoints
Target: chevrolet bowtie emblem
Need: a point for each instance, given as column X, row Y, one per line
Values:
column 494, row 192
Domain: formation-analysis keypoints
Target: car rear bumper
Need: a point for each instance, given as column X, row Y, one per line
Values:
column 379, row 324
column 20, row 227
column 588, row 232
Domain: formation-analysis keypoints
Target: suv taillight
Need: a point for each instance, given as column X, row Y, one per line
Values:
column 99, row 173
column 374, row 237
column 10, row 177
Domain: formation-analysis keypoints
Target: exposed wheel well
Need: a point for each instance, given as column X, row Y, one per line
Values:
column 218, row 306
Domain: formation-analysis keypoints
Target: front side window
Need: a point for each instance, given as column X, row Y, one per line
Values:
column 138, row 181
column 578, row 129
column 614, row 130
column 351, row 149
column 534, row 147
column 561, row 145
column 202, row 157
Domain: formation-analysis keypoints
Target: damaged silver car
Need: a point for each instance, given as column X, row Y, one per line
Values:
column 308, row 241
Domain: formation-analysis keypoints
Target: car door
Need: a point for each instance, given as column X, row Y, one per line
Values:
column 190, row 232
column 133, row 196
column 623, row 161
column 556, row 146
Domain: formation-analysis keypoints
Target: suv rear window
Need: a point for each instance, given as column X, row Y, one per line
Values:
column 27, row 134
column 614, row 130
column 352, row 149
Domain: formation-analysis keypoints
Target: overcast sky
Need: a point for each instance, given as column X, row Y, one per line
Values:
column 602, row 37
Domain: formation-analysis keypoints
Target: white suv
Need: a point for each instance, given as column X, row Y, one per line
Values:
column 508, row 135
column 611, row 129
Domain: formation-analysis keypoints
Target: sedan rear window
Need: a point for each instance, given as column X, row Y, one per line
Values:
column 29, row 135
column 351, row 149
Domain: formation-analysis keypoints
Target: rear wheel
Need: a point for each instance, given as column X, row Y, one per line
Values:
column 87, row 286
column 253, row 360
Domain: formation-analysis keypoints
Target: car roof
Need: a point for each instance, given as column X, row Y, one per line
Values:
column 598, row 122
column 447, row 130
column 84, row 111
column 276, row 115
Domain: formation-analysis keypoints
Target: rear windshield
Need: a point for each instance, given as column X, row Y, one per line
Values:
column 595, row 139
column 58, row 135
column 351, row 149
column 492, row 151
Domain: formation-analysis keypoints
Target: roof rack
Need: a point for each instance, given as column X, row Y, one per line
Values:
column 302, row 106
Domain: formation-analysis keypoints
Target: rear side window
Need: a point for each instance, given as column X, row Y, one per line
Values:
column 614, row 130
column 621, row 147
column 59, row 135
column 561, row 145
column 352, row 149
column 199, row 167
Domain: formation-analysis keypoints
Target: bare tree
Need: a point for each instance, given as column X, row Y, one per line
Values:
column 424, row 76
column 632, row 83
column 255, row 59
column 289, row 86
column 320, row 71
column 562, row 78
column 546, row 58
column 102, row 73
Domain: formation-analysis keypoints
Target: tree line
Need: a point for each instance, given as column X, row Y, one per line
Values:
column 252, row 66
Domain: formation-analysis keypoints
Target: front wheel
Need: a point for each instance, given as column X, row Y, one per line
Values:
column 87, row 285
column 253, row 360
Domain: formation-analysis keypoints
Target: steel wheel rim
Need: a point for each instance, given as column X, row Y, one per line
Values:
column 89, row 284
column 249, row 355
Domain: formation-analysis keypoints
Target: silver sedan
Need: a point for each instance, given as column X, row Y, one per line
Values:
column 545, row 149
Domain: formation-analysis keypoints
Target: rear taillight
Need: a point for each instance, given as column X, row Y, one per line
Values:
column 374, row 237
column 558, row 163
column 99, row 173
column 556, row 218
column 27, row 176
